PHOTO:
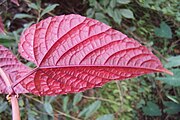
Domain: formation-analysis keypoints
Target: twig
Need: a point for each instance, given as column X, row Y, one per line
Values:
column 41, row 9
column 102, row 99
column 120, row 95
column 67, row 115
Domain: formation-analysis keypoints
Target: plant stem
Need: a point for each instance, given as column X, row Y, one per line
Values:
column 15, row 108
column 11, row 96
column 5, row 78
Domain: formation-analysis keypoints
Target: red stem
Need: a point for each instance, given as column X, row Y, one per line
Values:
column 14, row 101
column 15, row 108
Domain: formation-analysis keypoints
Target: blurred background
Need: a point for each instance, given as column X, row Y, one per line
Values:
column 154, row 23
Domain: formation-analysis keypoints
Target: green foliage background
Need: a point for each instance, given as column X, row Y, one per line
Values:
column 154, row 23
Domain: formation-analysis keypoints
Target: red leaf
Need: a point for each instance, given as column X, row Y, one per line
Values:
column 1, row 26
column 15, row 2
column 75, row 53
column 13, row 68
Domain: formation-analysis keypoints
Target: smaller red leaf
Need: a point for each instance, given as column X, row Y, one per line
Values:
column 15, row 2
column 1, row 26
column 13, row 69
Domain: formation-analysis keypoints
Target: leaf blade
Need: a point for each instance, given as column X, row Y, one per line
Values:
column 123, row 1
column 22, row 15
column 152, row 109
column 12, row 67
column 90, row 110
column 127, row 13
column 172, row 80
column 164, row 31
column 75, row 53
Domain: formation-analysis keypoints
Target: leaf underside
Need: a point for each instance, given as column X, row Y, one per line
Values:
column 13, row 69
column 1, row 26
column 15, row 2
column 75, row 53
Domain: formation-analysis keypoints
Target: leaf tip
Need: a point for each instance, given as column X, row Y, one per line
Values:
column 167, row 72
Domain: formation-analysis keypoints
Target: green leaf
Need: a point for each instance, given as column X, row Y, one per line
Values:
column 28, row 24
column 123, row 1
column 7, row 43
column 127, row 13
column 151, row 109
column 88, row 111
column 113, row 3
column 106, row 117
column 38, row 3
column 65, row 103
column 173, row 61
column 104, row 2
column 171, row 107
column 92, row 3
column 49, row 98
column 173, row 98
column 172, row 80
column 101, row 17
column 90, row 12
column 48, row 108
column 8, row 36
column 116, row 15
column 110, row 11
column 77, row 98
column 3, row 107
column 48, row 9
column 33, row 6
column 164, row 31
column 22, row 15
column 8, row 39
column 21, row 102
column 140, row 104
column 31, row 114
